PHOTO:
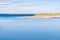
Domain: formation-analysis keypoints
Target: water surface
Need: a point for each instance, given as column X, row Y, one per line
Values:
column 29, row 29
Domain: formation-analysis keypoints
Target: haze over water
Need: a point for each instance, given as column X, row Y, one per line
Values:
column 29, row 29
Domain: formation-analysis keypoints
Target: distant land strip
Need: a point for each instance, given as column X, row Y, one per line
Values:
column 15, row 15
column 36, row 15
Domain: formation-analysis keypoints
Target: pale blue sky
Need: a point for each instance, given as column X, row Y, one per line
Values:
column 29, row 6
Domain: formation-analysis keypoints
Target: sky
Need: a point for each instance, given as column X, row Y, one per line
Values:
column 29, row 6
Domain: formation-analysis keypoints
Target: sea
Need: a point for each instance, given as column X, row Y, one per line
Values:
column 18, row 28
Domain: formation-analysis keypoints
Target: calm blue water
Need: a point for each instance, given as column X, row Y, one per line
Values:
column 29, row 29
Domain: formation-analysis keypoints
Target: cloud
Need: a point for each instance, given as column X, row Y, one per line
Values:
column 3, row 3
column 17, row 6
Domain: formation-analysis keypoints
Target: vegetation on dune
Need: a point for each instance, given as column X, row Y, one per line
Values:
column 48, row 14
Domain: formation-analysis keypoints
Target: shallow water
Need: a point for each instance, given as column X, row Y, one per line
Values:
column 29, row 29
